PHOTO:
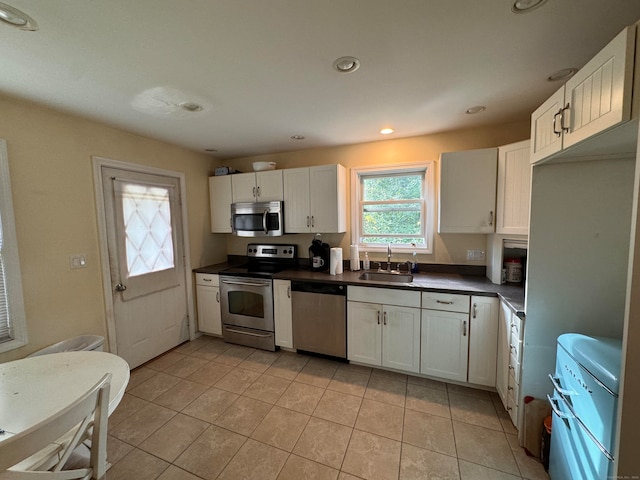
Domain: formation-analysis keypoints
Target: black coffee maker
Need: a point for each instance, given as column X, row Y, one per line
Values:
column 319, row 254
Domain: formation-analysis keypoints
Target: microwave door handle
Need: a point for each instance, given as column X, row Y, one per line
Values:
column 264, row 221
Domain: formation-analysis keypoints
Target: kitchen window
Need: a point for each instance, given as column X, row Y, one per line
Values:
column 13, row 332
column 393, row 205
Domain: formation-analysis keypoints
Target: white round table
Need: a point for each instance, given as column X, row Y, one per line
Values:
column 34, row 388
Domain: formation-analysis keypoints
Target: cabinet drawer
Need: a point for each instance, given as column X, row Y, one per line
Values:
column 387, row 296
column 516, row 326
column 514, row 367
column 445, row 301
column 210, row 279
column 515, row 347
column 514, row 387
column 512, row 409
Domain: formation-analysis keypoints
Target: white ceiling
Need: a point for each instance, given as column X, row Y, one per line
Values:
column 262, row 69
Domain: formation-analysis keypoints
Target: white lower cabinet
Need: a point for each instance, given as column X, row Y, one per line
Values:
column 445, row 344
column 508, row 361
column 384, row 334
column 282, row 316
column 502, row 362
column 483, row 340
column 208, row 303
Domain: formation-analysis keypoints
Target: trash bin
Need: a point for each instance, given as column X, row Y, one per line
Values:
column 83, row 342
column 545, row 443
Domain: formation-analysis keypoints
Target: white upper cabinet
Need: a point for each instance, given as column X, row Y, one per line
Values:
column 220, row 200
column 514, row 189
column 257, row 186
column 593, row 100
column 467, row 200
column 315, row 199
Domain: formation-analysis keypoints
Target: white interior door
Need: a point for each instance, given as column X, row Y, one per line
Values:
column 146, row 260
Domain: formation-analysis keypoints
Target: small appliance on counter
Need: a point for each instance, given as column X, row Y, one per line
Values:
column 319, row 254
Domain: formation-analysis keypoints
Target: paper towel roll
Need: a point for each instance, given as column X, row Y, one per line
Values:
column 335, row 261
column 355, row 258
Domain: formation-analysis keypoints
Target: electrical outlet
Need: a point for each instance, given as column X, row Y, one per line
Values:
column 78, row 261
column 475, row 254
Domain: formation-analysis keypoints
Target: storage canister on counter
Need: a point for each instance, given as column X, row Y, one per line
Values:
column 514, row 270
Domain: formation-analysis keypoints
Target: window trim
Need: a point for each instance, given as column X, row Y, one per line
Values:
column 18, row 329
column 429, row 199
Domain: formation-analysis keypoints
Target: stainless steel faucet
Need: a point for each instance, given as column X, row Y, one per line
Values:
column 388, row 257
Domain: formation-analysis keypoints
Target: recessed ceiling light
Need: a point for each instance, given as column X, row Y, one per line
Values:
column 190, row 107
column 346, row 64
column 15, row 18
column 297, row 137
column 526, row 6
column 386, row 131
column 476, row 109
column 563, row 74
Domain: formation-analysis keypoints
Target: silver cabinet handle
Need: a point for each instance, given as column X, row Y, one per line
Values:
column 464, row 328
column 568, row 110
column 308, row 224
column 385, row 318
column 218, row 297
column 443, row 302
column 253, row 194
column 258, row 192
column 313, row 221
column 120, row 287
column 475, row 310
column 207, row 280
column 491, row 218
column 289, row 292
column 555, row 117
column 378, row 317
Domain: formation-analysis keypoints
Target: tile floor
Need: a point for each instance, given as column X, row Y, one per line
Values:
column 210, row 410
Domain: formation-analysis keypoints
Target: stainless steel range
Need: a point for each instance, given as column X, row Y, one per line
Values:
column 246, row 295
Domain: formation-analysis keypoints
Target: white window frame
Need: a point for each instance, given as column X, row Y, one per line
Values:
column 428, row 199
column 18, row 330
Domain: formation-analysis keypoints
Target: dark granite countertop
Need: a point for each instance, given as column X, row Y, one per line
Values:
column 513, row 295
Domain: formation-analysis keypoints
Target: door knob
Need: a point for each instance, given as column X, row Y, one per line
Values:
column 120, row 287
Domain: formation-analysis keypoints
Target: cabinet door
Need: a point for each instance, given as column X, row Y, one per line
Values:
column 514, row 188
column 502, row 362
column 243, row 186
column 599, row 95
column 208, row 304
column 444, row 344
column 220, row 203
column 401, row 338
column 468, row 191
column 297, row 218
column 269, row 186
column 364, row 333
column 546, row 128
column 483, row 340
column 327, row 205
column 282, row 313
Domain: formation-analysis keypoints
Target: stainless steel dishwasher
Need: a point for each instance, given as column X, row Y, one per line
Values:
column 319, row 317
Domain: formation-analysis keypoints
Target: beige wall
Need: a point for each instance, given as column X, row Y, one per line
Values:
column 53, row 194
column 449, row 248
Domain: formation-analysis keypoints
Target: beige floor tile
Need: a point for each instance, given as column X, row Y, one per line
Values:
column 353, row 368
column 139, row 465
column 116, row 449
column 139, row 375
column 472, row 471
column 476, row 411
column 185, row 367
column 191, row 346
column 267, row 388
column 175, row 473
column 346, row 381
column 419, row 464
column 381, row 418
column 346, row 476
column 398, row 377
column 255, row 461
column 428, row 400
column 212, row 350
column 298, row 468
column 530, row 467
column 281, row 428
column 427, row 382
column 237, row 380
column 338, row 407
column 210, row 373
column 143, row 423
column 323, row 442
column 170, row 440
column 163, row 361
column 472, row 392
column 317, row 372
column 429, row 431
column 178, row 397
column 300, row 397
column 234, row 355
column 154, row 386
column 259, row 361
column 244, row 415
column 288, row 365
column 372, row 457
column 210, row 404
column 210, row 453
column 485, row 447
column 386, row 390
column 127, row 407
column 505, row 420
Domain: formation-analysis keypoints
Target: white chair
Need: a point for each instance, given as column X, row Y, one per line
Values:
column 43, row 451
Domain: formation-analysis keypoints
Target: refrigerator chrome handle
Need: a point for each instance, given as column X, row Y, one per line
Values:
column 556, row 408
column 556, row 385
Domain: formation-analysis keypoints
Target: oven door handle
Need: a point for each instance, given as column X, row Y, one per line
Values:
column 248, row 333
column 245, row 284
column 556, row 385
column 264, row 221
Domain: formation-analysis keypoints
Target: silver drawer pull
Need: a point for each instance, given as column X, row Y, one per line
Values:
column 249, row 333
column 444, row 302
column 464, row 328
column 207, row 280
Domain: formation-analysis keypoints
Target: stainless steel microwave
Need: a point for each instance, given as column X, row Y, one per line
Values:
column 257, row 219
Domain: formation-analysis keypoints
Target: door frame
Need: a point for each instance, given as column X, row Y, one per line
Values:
column 98, row 163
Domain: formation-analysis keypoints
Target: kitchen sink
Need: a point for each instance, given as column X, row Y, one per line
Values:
column 392, row 276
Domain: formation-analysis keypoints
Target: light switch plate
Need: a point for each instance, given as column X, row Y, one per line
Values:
column 475, row 254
